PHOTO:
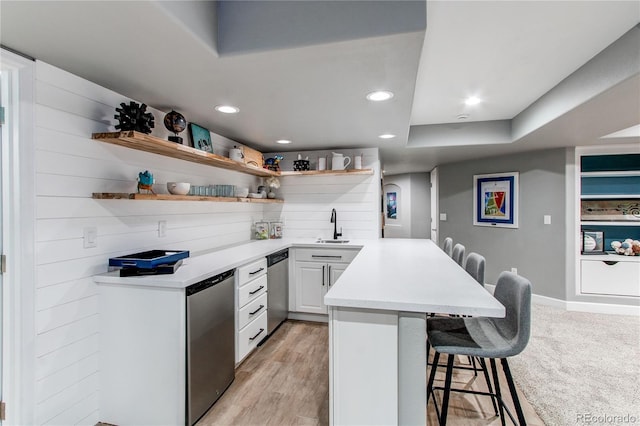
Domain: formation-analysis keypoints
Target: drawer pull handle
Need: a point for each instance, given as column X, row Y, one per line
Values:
column 257, row 310
column 256, row 336
column 255, row 272
column 610, row 262
column 256, row 290
column 326, row 256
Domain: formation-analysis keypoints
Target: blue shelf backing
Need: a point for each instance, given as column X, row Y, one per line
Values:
column 610, row 185
column 614, row 233
column 610, row 163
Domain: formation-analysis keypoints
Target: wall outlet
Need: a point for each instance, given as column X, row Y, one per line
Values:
column 514, row 270
column 162, row 228
column 443, row 217
column 90, row 236
column 547, row 219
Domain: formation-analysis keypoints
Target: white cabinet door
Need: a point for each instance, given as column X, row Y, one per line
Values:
column 311, row 287
column 335, row 270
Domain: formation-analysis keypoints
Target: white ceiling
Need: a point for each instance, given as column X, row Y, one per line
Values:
column 300, row 70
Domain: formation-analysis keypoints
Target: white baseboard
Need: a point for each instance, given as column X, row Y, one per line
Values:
column 595, row 308
column 302, row 316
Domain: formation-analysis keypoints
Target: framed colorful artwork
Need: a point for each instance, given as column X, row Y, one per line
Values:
column 200, row 138
column 392, row 205
column 495, row 200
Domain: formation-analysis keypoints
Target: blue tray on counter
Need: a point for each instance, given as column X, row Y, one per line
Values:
column 148, row 259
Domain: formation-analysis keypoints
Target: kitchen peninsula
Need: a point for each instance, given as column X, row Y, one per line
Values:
column 377, row 328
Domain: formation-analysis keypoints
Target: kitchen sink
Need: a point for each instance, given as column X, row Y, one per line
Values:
column 333, row 241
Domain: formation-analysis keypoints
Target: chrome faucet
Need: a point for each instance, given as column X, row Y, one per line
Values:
column 334, row 220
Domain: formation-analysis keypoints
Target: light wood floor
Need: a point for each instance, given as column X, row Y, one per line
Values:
column 286, row 382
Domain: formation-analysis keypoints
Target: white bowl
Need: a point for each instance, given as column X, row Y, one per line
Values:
column 242, row 192
column 178, row 188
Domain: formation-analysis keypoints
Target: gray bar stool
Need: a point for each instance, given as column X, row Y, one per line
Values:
column 447, row 246
column 474, row 265
column 458, row 254
column 492, row 338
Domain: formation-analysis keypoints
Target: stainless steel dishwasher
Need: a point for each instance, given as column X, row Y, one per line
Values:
column 210, row 342
column 278, row 293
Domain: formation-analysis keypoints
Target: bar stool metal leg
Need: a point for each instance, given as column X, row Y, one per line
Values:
column 514, row 393
column 496, row 383
column 447, row 391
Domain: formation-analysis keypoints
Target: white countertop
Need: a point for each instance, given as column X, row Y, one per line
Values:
column 410, row 275
column 390, row 274
column 198, row 268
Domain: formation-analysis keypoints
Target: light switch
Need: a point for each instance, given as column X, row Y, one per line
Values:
column 90, row 235
column 547, row 219
column 443, row 217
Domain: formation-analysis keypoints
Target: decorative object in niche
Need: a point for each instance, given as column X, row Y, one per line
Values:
column 134, row 117
column 627, row 247
column 495, row 200
column 392, row 205
column 145, row 181
column 613, row 210
column 200, row 138
column 273, row 163
column 176, row 123
column 592, row 242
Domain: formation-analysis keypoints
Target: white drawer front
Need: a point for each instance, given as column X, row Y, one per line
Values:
column 252, row 310
column 251, row 335
column 252, row 291
column 326, row 255
column 620, row 279
column 251, row 271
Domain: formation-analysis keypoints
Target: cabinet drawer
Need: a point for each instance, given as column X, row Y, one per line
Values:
column 621, row 278
column 326, row 255
column 252, row 291
column 251, row 271
column 251, row 335
column 252, row 310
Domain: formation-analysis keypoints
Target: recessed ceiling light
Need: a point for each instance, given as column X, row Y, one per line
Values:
column 472, row 100
column 463, row 116
column 283, row 141
column 227, row 109
column 387, row 136
column 380, row 95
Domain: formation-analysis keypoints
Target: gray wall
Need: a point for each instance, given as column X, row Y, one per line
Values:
column 414, row 206
column 537, row 250
column 420, row 205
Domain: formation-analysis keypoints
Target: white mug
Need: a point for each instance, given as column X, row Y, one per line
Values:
column 357, row 162
column 322, row 163
column 338, row 162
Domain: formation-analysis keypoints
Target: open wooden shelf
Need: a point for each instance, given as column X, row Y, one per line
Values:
column 143, row 142
column 328, row 172
column 170, row 197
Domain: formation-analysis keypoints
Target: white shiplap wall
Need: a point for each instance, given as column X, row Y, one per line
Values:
column 69, row 167
column 309, row 199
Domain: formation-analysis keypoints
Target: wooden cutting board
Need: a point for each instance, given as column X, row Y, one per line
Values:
column 253, row 157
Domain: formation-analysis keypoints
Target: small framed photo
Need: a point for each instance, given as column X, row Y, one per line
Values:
column 200, row 138
column 262, row 230
column 593, row 242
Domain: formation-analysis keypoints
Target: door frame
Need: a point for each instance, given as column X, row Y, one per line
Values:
column 18, row 192
column 434, row 226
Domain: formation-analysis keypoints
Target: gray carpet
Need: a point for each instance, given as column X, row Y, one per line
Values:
column 579, row 365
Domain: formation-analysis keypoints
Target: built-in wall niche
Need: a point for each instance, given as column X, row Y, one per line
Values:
column 609, row 204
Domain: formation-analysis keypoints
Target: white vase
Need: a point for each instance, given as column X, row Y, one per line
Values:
column 271, row 194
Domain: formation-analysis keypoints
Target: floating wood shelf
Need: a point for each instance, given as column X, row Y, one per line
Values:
column 143, row 142
column 170, row 197
column 328, row 172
